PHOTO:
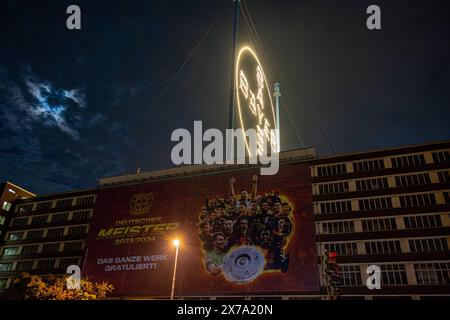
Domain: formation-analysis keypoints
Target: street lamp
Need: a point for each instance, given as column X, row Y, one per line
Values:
column 176, row 243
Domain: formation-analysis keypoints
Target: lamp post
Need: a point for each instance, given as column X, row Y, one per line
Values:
column 176, row 243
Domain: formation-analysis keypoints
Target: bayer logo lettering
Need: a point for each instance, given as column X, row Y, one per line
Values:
column 243, row 264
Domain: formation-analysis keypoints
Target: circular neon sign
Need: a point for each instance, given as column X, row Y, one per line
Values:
column 254, row 101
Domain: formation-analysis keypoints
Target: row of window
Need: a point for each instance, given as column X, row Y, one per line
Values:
column 406, row 201
column 45, row 264
column 51, row 233
column 414, row 160
column 416, row 179
column 388, row 246
column 383, row 224
column 46, row 248
column 62, row 203
column 54, row 218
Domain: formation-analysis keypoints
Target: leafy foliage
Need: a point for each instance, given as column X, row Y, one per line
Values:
column 49, row 287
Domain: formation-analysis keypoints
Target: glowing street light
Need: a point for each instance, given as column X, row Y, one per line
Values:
column 176, row 243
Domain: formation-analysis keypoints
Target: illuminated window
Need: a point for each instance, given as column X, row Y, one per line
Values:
column 10, row 251
column 6, row 266
column 13, row 236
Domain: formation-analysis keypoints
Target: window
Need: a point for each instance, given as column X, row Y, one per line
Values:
column 441, row 157
column 331, row 170
column 2, row 220
column 64, row 203
column 393, row 274
column 35, row 234
column 375, row 203
column 329, row 188
column 39, row 219
column 81, row 215
column 408, row 161
column 6, row 205
column 444, row 176
column 30, row 249
column 338, row 227
column 419, row 222
column 85, row 201
column 60, row 217
column 413, row 180
column 336, row 206
column 55, row 232
column 372, row 184
column 50, row 247
column 383, row 247
column 416, row 200
column 447, row 197
column 64, row 263
column 10, row 251
column 428, row 245
column 73, row 246
column 44, row 205
column 25, row 207
column 381, row 224
column 350, row 275
column 343, row 248
column 19, row 221
column 434, row 273
column 24, row 265
column 76, row 231
column 368, row 165
column 46, row 264
column 5, row 266
column 13, row 236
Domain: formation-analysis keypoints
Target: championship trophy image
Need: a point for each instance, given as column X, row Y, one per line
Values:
column 245, row 235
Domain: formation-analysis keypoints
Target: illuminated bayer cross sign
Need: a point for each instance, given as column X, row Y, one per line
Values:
column 254, row 102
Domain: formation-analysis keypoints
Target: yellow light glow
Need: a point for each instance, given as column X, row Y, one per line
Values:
column 176, row 242
column 260, row 75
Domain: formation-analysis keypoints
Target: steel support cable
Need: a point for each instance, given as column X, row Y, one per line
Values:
column 168, row 84
column 251, row 29
column 302, row 100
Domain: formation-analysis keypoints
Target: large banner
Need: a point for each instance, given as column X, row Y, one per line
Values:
column 239, row 234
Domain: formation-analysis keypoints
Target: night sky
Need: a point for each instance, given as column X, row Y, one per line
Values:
column 79, row 105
